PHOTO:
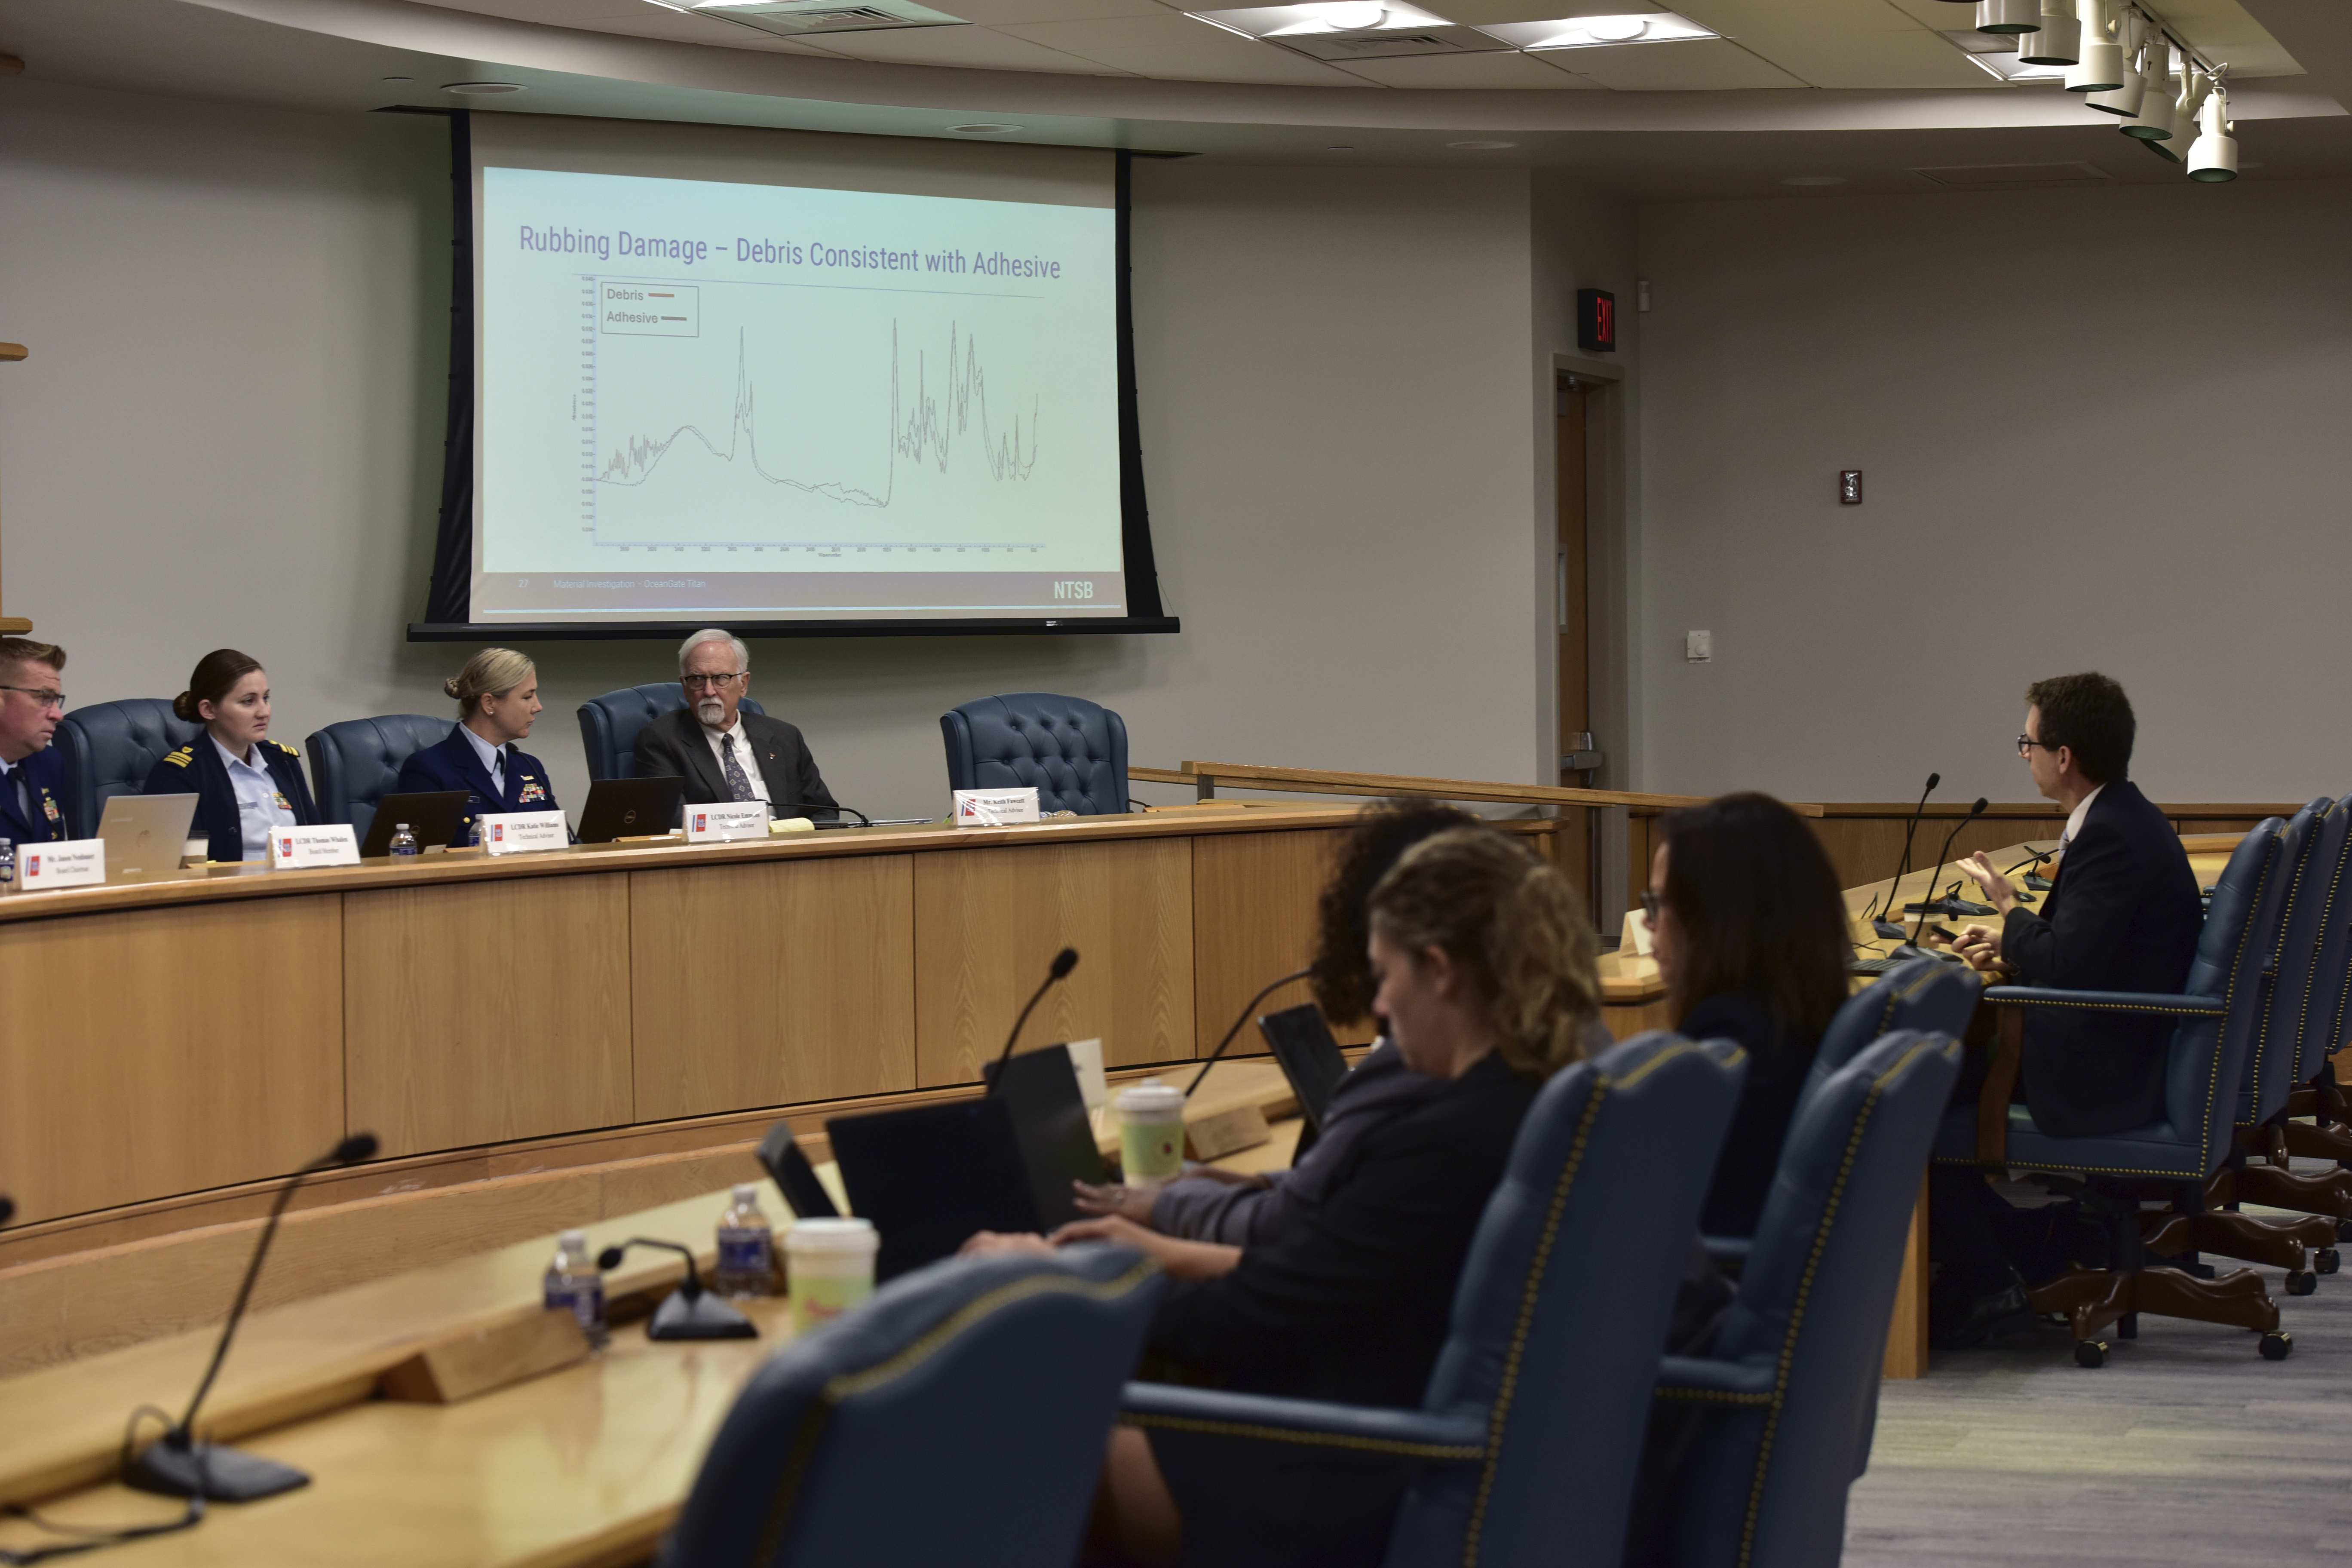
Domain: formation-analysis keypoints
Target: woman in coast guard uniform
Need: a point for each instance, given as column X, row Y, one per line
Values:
column 244, row 783
column 497, row 699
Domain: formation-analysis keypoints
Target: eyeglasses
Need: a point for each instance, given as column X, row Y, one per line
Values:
column 42, row 696
column 710, row 682
column 2026, row 743
column 1651, row 906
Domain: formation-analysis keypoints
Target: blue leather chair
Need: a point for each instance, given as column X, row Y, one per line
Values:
column 1786, row 1400
column 1926, row 993
column 110, row 748
column 609, row 724
column 355, row 763
column 959, row 1417
column 2218, row 1011
column 2314, row 983
column 1528, row 1435
column 1073, row 751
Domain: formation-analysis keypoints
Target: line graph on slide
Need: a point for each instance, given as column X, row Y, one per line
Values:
column 754, row 419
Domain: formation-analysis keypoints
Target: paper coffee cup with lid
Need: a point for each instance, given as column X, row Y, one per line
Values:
column 1150, row 1133
column 830, row 1263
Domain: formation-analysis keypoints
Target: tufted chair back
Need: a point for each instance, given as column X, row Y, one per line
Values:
column 1926, row 994
column 2209, row 1060
column 2285, row 943
column 355, row 763
column 1073, row 751
column 609, row 724
column 959, row 1417
column 110, row 748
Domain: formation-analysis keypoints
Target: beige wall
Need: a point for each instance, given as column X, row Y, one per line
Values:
column 2098, row 429
column 229, row 433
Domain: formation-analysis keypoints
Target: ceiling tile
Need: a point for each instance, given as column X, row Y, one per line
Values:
column 1505, row 69
column 654, row 22
column 1477, row 13
column 1177, row 48
column 1694, row 65
column 980, row 47
column 1937, row 16
column 1917, row 60
column 998, row 13
column 1870, row 15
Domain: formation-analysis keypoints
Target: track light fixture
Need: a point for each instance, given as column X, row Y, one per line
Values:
column 2213, row 156
column 2124, row 99
column 2058, row 41
column 2009, row 17
column 2101, row 68
column 2153, row 122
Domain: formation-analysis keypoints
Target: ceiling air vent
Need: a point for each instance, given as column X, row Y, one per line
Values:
column 1387, row 43
column 799, row 18
column 2014, row 174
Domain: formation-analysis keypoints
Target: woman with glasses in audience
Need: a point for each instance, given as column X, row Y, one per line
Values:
column 1486, row 985
column 244, row 783
column 498, row 701
column 1749, row 931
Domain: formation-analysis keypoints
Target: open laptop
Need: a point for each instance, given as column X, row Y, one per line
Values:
column 1309, row 1057
column 930, row 1176
column 145, row 833
column 432, row 815
column 787, row 1164
column 630, row 808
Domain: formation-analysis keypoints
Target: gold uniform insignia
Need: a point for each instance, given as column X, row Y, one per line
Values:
column 284, row 747
column 181, row 758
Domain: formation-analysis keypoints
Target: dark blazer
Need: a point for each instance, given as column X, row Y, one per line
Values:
column 452, row 764
column 197, row 768
column 45, row 780
column 672, row 747
column 1777, row 1066
column 2123, row 915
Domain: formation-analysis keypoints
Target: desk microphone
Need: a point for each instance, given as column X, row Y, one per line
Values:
column 1879, row 923
column 1934, row 905
column 1064, row 961
column 1242, row 1018
column 863, row 820
column 176, row 1465
column 688, row 1312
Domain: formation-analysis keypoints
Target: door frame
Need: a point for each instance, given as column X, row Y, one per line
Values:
column 1608, row 575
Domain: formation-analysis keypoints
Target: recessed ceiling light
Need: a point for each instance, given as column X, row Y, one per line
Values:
column 983, row 130
column 1480, row 146
column 1350, row 16
column 1595, row 32
column 1814, row 180
column 480, row 88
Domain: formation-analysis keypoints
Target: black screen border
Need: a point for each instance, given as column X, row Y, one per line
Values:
column 449, row 595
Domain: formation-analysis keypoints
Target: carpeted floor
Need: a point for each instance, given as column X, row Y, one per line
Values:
column 2185, row 1448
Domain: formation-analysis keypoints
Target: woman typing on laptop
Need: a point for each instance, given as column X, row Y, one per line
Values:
column 244, row 783
column 1485, row 984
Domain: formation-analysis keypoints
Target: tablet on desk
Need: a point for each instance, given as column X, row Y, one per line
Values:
column 433, row 815
column 1309, row 1057
column 630, row 808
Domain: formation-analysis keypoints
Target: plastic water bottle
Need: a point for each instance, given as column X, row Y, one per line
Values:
column 474, row 833
column 575, row 1284
column 404, row 844
column 747, row 1246
column 7, row 865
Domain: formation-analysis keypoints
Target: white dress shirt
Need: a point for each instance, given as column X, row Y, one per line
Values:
column 493, row 761
column 260, row 806
column 743, row 758
column 2074, row 818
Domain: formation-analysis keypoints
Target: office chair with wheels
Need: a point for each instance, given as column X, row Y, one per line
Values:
column 1926, row 994
column 1527, row 1435
column 110, row 748
column 1073, row 751
column 2318, row 951
column 1784, row 1405
column 960, row 1417
column 355, row 762
column 609, row 724
column 2175, row 1159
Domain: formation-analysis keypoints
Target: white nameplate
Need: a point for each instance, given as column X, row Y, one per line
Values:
column 727, row 819
column 329, row 844
column 75, row 863
column 523, row 832
column 994, row 807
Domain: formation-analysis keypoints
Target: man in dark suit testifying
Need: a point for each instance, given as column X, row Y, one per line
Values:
column 2123, row 915
column 723, row 753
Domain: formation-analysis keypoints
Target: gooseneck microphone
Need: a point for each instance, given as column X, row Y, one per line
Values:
column 1879, row 921
column 1929, row 905
column 176, row 1465
column 1242, row 1018
column 863, row 820
column 688, row 1312
column 1064, row 961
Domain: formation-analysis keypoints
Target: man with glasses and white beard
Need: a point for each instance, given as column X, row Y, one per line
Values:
column 32, row 774
column 723, row 753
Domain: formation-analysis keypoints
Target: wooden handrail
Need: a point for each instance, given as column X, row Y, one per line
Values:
column 1206, row 776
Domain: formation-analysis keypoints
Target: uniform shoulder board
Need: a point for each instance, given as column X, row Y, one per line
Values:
column 284, row 747
column 181, row 758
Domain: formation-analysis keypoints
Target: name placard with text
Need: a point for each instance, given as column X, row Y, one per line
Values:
column 524, row 832
column 727, row 819
column 329, row 844
column 995, row 808
column 72, row 863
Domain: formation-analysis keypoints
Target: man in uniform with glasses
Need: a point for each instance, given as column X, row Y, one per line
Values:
column 723, row 753
column 32, row 775
column 2123, row 915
